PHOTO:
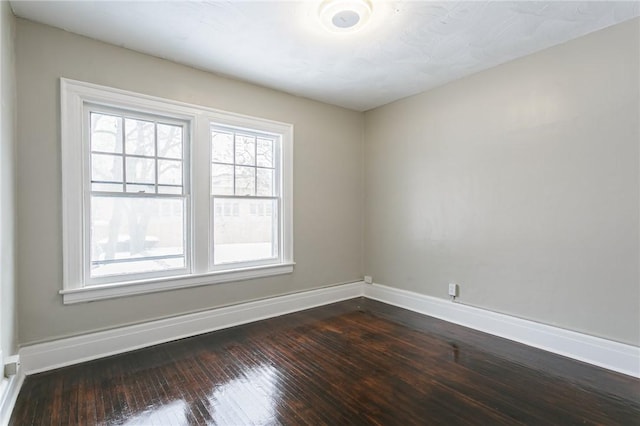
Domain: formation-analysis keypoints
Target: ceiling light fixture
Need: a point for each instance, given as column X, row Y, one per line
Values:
column 344, row 15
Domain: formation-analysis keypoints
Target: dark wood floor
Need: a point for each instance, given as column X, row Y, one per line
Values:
column 354, row 362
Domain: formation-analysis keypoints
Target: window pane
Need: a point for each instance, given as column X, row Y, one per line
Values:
column 265, row 152
column 244, row 236
column 106, row 133
column 221, row 147
column 245, row 150
column 106, row 167
column 169, row 141
column 141, row 170
column 134, row 235
column 169, row 189
column 245, row 181
column 170, row 172
column 140, row 137
column 265, row 182
column 221, row 179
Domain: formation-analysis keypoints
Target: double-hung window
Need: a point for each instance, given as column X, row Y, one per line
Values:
column 138, row 206
column 160, row 195
column 245, row 180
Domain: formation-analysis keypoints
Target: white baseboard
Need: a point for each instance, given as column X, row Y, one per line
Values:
column 9, row 394
column 593, row 350
column 73, row 350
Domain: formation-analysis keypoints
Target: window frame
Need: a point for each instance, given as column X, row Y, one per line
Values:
column 74, row 96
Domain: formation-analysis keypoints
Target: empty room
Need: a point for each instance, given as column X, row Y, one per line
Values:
column 319, row 212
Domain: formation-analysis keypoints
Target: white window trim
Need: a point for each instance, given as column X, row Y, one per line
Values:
column 73, row 96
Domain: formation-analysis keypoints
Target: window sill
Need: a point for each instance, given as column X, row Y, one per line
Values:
column 110, row 291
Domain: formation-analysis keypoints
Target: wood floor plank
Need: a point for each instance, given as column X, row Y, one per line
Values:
column 354, row 362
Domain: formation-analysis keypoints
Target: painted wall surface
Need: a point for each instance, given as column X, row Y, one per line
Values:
column 521, row 184
column 327, row 181
column 7, row 182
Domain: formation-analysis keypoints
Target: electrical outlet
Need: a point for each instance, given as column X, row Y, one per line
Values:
column 453, row 289
column 368, row 279
column 11, row 368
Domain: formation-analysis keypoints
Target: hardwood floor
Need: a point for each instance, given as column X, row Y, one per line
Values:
column 354, row 362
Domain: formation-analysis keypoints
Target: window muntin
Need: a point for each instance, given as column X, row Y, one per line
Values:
column 245, row 178
column 137, row 174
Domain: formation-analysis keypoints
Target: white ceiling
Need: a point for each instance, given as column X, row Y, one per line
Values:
column 407, row 46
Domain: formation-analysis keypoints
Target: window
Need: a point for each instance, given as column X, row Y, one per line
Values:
column 160, row 194
column 137, row 211
column 244, row 174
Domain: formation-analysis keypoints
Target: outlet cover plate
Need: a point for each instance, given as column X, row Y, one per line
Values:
column 453, row 289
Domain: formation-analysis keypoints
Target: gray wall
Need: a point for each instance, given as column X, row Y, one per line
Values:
column 327, row 181
column 520, row 184
column 7, row 181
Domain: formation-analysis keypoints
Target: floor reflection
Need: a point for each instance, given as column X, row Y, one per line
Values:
column 258, row 387
column 171, row 413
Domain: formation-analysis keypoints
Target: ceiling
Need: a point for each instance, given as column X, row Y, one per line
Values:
column 406, row 47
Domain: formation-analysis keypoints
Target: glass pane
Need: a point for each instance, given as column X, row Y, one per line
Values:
column 140, row 137
column 106, row 167
column 221, row 179
column 133, row 235
column 141, row 170
column 221, row 147
column 244, row 236
column 170, row 172
column 245, row 150
column 265, row 152
column 245, row 181
column 169, row 189
column 106, row 133
column 265, row 182
column 169, row 141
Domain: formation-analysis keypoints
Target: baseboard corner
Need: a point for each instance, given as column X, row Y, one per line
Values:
column 9, row 394
column 608, row 354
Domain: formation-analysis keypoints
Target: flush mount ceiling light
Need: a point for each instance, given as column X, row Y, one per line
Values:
column 344, row 15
